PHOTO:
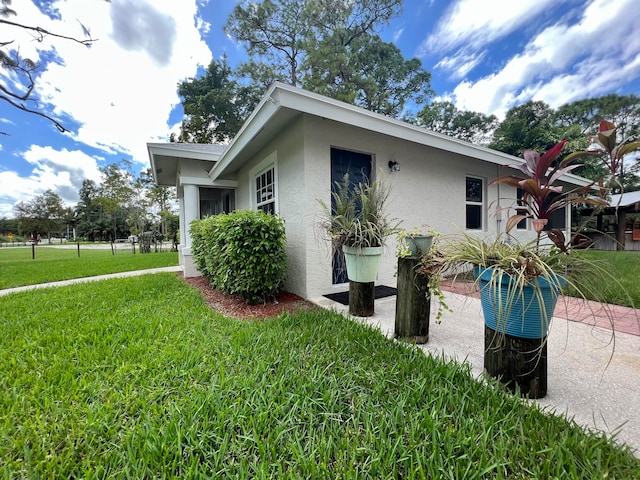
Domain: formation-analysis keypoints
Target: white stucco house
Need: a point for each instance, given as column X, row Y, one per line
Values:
column 296, row 143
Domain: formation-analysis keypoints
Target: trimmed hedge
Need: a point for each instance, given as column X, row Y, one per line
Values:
column 241, row 253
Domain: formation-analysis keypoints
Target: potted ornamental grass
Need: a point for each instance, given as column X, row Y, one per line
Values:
column 520, row 283
column 358, row 227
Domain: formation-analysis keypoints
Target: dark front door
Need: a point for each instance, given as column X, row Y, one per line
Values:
column 358, row 166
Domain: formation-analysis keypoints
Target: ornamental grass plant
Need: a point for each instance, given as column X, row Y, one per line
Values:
column 548, row 257
column 356, row 216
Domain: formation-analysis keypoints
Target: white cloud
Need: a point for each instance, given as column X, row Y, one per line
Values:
column 139, row 26
column 62, row 171
column 564, row 62
column 397, row 34
column 460, row 64
column 122, row 89
column 472, row 24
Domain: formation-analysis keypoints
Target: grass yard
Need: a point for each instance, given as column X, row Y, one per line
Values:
column 138, row 378
column 51, row 264
column 624, row 267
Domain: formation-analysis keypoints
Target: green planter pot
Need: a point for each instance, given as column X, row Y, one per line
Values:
column 362, row 263
column 419, row 245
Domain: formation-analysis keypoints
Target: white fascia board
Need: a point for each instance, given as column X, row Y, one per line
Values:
column 152, row 161
column 625, row 199
column 207, row 182
column 576, row 180
column 251, row 127
column 173, row 150
column 281, row 95
column 318, row 105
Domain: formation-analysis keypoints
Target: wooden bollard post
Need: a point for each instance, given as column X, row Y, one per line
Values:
column 413, row 302
column 361, row 298
column 517, row 362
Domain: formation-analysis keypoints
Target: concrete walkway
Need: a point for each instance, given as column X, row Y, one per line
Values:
column 63, row 283
column 593, row 372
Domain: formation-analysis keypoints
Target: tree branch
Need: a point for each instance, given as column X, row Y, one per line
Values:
column 24, row 108
column 43, row 33
column 25, row 66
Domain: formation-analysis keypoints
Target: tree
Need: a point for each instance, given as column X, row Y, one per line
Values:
column 8, row 225
column 326, row 46
column 19, row 91
column 444, row 117
column 282, row 33
column 159, row 198
column 580, row 122
column 367, row 72
column 43, row 215
column 90, row 221
column 115, row 196
column 273, row 31
column 526, row 127
column 215, row 105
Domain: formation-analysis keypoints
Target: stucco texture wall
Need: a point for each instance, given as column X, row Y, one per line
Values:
column 287, row 151
column 429, row 189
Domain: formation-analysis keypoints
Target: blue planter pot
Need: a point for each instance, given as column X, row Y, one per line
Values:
column 523, row 312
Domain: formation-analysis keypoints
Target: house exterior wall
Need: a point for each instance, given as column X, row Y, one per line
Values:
column 429, row 189
column 287, row 150
column 189, row 204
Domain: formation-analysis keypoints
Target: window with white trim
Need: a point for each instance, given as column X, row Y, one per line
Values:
column 265, row 190
column 264, row 185
column 522, row 224
column 474, row 203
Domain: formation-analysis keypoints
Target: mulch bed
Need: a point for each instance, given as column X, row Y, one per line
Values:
column 236, row 307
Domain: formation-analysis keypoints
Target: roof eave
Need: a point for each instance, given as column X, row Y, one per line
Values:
column 281, row 96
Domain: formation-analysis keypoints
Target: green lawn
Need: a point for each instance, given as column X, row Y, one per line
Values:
column 623, row 287
column 17, row 268
column 105, row 380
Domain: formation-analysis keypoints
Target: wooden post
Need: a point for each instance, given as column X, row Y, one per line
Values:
column 78, row 249
column 413, row 303
column 361, row 298
column 517, row 362
column 622, row 228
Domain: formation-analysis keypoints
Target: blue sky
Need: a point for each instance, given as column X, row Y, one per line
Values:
column 484, row 55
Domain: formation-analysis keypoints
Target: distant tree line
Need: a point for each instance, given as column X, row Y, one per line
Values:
column 122, row 204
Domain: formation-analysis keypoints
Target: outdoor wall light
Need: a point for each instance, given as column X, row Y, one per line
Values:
column 394, row 166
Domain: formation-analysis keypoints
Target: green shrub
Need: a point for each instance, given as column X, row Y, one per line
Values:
column 241, row 253
column 198, row 249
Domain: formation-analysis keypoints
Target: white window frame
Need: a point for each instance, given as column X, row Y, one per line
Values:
column 480, row 204
column 520, row 226
column 270, row 163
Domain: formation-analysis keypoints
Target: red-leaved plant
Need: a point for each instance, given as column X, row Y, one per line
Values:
column 605, row 145
column 541, row 194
